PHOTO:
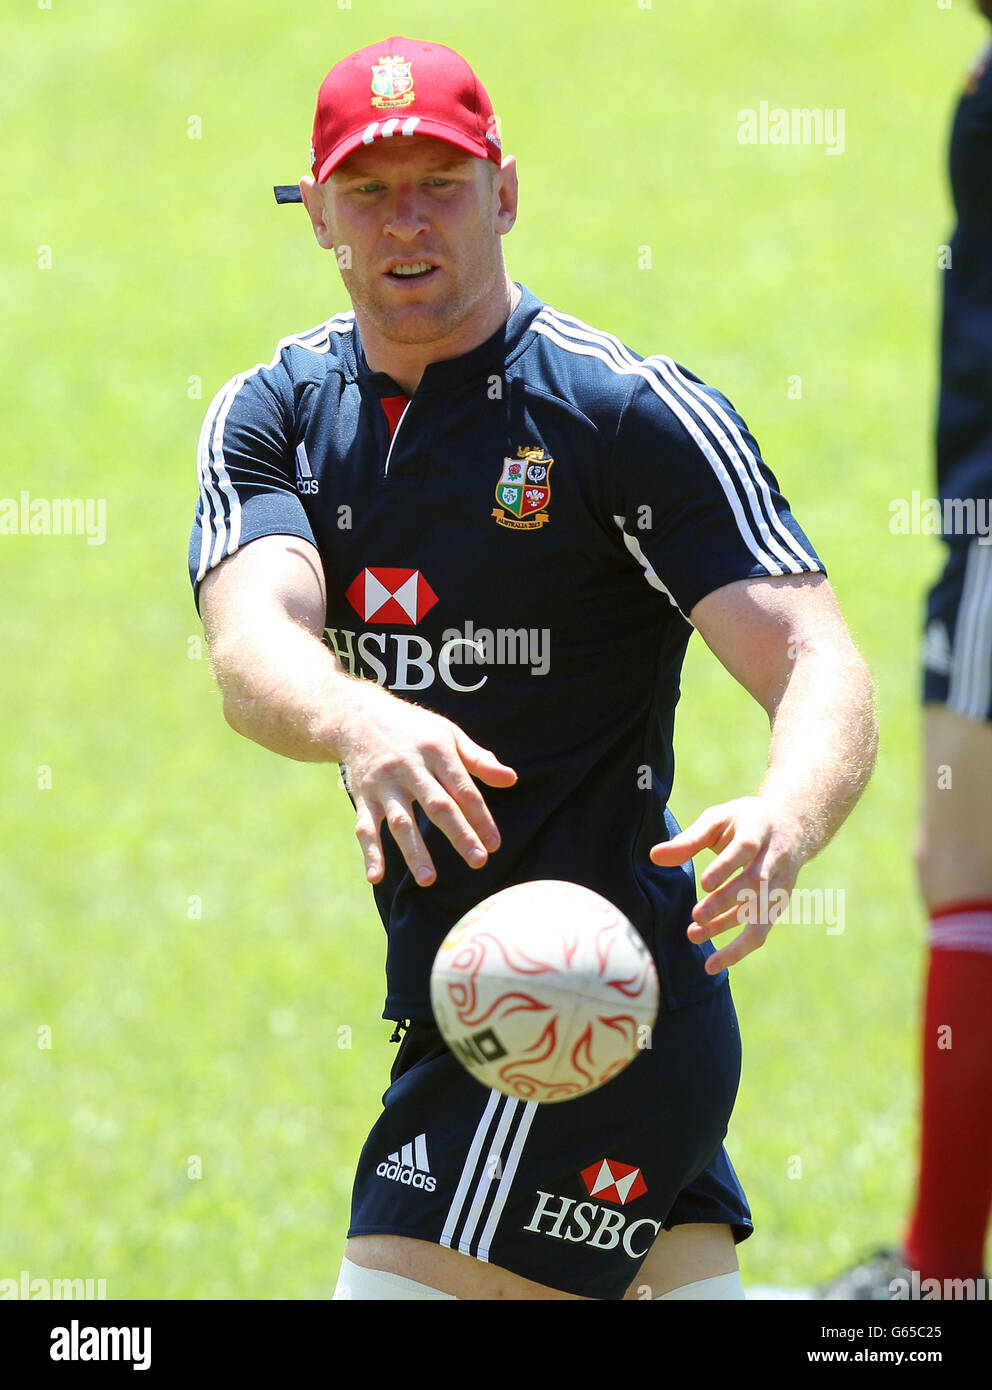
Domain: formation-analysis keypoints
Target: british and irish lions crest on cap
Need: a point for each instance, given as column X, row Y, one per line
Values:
column 524, row 490
column 392, row 83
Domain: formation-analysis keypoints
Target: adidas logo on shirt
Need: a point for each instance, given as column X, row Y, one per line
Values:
column 306, row 483
column 409, row 1165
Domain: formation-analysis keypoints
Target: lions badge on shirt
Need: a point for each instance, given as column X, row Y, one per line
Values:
column 524, row 490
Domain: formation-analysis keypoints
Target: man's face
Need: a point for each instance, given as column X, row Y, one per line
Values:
column 421, row 221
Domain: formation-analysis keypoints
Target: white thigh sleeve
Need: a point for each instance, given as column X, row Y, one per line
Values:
column 354, row 1281
column 722, row 1286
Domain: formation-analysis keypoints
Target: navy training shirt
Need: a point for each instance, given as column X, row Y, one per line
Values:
column 964, row 422
column 514, row 547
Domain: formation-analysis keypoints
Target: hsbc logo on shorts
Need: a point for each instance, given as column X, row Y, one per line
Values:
column 613, row 1181
column 589, row 1223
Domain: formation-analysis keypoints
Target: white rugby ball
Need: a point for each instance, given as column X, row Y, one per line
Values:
column 544, row 991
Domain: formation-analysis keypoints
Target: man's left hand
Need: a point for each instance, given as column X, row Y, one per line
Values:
column 745, row 837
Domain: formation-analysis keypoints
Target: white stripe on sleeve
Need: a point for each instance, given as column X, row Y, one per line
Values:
column 220, row 517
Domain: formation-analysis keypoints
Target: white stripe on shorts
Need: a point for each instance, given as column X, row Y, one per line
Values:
column 969, row 690
column 508, row 1121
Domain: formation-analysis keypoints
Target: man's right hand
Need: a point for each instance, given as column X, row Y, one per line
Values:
column 394, row 754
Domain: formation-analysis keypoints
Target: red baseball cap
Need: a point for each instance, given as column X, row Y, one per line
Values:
column 401, row 87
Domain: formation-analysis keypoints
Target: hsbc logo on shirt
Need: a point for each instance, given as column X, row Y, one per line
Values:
column 591, row 1223
column 393, row 596
column 386, row 595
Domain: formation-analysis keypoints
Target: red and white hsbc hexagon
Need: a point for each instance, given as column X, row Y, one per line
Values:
column 390, row 595
column 590, row 1223
column 613, row 1181
column 394, row 596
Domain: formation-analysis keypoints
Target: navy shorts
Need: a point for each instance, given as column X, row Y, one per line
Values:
column 570, row 1195
column 957, row 650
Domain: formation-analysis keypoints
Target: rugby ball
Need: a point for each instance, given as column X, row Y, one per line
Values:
column 544, row 991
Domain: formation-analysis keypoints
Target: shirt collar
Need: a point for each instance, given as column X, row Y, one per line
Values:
column 453, row 371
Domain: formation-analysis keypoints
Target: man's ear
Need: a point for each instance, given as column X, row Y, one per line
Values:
column 313, row 197
column 506, row 186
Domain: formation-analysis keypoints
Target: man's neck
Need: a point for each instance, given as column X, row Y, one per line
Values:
column 406, row 362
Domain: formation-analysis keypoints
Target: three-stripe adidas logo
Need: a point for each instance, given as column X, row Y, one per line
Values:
column 305, row 481
column 413, row 1155
column 409, row 1165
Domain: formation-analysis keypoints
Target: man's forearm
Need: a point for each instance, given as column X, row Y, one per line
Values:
column 283, row 688
column 823, row 746
column 287, row 691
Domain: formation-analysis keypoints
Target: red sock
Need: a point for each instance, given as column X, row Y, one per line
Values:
column 946, row 1237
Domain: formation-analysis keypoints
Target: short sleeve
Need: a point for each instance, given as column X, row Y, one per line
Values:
column 696, row 503
column 246, row 470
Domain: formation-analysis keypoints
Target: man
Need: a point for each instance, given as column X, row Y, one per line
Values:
column 945, row 1239
column 457, row 538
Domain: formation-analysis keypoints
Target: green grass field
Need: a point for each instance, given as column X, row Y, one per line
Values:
column 186, row 912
